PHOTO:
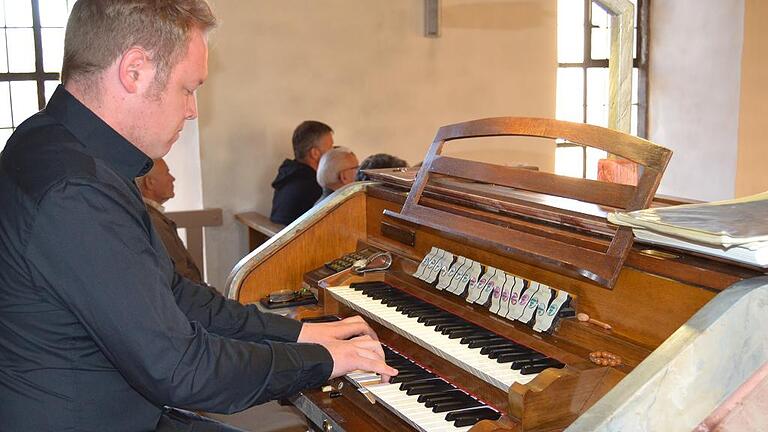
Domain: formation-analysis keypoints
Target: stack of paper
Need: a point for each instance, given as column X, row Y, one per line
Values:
column 732, row 229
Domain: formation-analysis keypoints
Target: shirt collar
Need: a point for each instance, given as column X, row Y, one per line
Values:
column 154, row 204
column 98, row 138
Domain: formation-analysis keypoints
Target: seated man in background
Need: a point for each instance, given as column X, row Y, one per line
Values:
column 296, row 189
column 379, row 160
column 337, row 168
column 156, row 188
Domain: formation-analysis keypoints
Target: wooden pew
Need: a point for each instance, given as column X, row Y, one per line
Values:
column 260, row 228
column 193, row 222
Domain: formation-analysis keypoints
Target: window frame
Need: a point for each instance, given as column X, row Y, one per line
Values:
column 39, row 75
column 640, row 62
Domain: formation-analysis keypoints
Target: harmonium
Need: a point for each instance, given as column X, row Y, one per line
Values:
column 506, row 300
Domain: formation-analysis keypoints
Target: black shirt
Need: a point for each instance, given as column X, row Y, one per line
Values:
column 296, row 191
column 97, row 332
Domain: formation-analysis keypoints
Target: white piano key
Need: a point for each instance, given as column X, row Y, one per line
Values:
column 411, row 410
column 489, row 370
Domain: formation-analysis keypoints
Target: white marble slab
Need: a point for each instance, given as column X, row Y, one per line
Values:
column 693, row 371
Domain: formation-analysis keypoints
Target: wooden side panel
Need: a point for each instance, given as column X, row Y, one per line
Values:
column 555, row 398
column 334, row 235
column 642, row 307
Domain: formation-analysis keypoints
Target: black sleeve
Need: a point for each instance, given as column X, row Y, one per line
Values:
column 94, row 256
column 229, row 318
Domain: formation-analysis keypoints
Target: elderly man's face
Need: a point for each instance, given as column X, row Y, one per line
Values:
column 349, row 171
column 160, row 182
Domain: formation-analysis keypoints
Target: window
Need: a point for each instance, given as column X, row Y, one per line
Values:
column 31, row 51
column 583, row 49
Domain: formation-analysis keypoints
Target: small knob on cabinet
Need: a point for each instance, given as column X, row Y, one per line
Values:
column 327, row 426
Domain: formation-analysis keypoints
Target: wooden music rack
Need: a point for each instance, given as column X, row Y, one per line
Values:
column 552, row 251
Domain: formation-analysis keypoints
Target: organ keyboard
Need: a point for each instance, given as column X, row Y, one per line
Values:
column 490, row 265
column 424, row 400
column 481, row 352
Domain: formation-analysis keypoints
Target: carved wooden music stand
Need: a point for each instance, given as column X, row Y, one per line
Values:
column 560, row 256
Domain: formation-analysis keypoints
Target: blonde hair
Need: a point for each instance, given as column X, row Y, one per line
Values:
column 100, row 31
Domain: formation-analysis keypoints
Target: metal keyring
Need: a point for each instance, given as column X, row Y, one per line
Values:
column 362, row 266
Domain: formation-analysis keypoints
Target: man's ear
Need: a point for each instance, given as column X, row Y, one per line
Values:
column 149, row 183
column 314, row 153
column 136, row 71
column 347, row 176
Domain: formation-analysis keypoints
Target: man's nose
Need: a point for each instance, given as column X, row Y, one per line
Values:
column 191, row 113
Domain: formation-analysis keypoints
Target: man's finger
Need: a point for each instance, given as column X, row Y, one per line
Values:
column 377, row 366
column 355, row 329
column 372, row 346
column 353, row 319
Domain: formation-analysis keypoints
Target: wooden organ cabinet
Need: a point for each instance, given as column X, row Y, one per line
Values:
column 541, row 240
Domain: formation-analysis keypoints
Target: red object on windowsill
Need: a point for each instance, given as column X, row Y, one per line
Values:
column 620, row 171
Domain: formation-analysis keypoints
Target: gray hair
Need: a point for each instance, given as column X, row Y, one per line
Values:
column 331, row 165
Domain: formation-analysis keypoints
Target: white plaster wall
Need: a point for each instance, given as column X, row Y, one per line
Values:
column 694, row 77
column 365, row 68
column 184, row 163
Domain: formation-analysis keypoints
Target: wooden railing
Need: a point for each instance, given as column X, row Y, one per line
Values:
column 260, row 228
column 193, row 222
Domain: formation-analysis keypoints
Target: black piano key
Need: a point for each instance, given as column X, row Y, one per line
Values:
column 402, row 308
column 493, row 354
column 445, row 327
column 376, row 287
column 437, row 318
column 407, row 369
column 389, row 354
column 419, row 312
column 424, row 397
column 519, row 364
column 411, row 377
column 456, row 405
column 434, row 381
column 479, row 413
column 431, row 399
column 417, row 307
column 439, row 313
column 416, row 390
column 487, row 342
column 485, row 335
column 379, row 295
column 469, row 421
column 460, row 333
column 493, row 347
column 440, row 321
column 359, row 286
column 507, row 357
column 397, row 301
column 538, row 367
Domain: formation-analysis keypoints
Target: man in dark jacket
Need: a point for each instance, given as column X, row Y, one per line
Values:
column 97, row 330
column 296, row 188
